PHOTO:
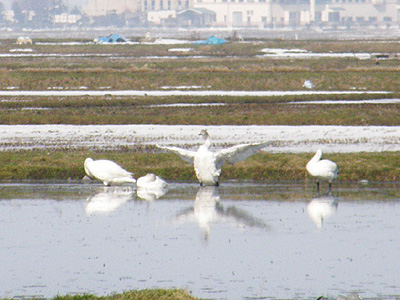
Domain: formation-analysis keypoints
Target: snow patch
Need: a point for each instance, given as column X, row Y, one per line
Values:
column 294, row 139
column 167, row 93
column 302, row 54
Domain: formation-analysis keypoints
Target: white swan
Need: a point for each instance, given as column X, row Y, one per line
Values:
column 308, row 84
column 151, row 187
column 107, row 172
column 207, row 164
column 322, row 170
column 151, row 182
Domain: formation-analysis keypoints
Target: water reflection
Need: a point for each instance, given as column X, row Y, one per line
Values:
column 108, row 199
column 322, row 207
column 47, row 237
column 208, row 209
column 151, row 194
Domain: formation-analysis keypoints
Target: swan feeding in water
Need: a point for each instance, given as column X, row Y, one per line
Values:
column 322, row 170
column 107, row 172
column 207, row 164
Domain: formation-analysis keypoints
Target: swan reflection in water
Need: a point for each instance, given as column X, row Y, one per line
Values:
column 151, row 194
column 108, row 199
column 321, row 208
column 208, row 209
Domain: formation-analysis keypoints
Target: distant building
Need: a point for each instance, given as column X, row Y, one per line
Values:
column 95, row 8
column 8, row 16
column 65, row 19
column 254, row 13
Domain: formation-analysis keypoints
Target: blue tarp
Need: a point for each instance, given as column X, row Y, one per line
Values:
column 212, row 40
column 113, row 38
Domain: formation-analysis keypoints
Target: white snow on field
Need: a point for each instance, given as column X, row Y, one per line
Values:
column 186, row 104
column 180, row 49
column 283, row 138
column 302, row 54
column 21, row 50
column 166, row 93
column 372, row 101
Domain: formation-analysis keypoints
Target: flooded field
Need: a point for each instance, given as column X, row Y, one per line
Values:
column 239, row 241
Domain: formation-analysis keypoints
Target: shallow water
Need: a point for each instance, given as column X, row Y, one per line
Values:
column 238, row 241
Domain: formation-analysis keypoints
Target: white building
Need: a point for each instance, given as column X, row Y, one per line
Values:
column 64, row 19
column 8, row 16
column 255, row 13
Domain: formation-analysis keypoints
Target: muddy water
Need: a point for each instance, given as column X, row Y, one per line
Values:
column 238, row 241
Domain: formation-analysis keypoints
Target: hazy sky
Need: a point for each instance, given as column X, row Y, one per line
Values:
column 71, row 3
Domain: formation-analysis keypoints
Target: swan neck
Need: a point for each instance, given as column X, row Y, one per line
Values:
column 317, row 156
column 207, row 142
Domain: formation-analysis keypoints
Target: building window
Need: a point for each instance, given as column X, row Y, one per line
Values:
column 264, row 19
column 169, row 4
column 186, row 4
column 161, row 5
column 372, row 19
column 387, row 19
column 360, row 19
column 145, row 5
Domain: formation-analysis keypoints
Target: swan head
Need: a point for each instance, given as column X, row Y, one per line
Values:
column 150, row 177
column 204, row 133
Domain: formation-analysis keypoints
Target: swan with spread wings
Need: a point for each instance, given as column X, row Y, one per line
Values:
column 207, row 164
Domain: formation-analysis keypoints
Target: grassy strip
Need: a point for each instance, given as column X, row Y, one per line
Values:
column 148, row 294
column 329, row 74
column 130, row 111
column 58, row 165
column 245, row 49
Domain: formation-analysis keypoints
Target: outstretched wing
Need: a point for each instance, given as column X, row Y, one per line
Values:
column 243, row 218
column 238, row 153
column 186, row 155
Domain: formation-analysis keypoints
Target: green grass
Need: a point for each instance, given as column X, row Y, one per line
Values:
column 233, row 66
column 148, row 294
column 64, row 165
column 237, row 111
column 244, row 74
